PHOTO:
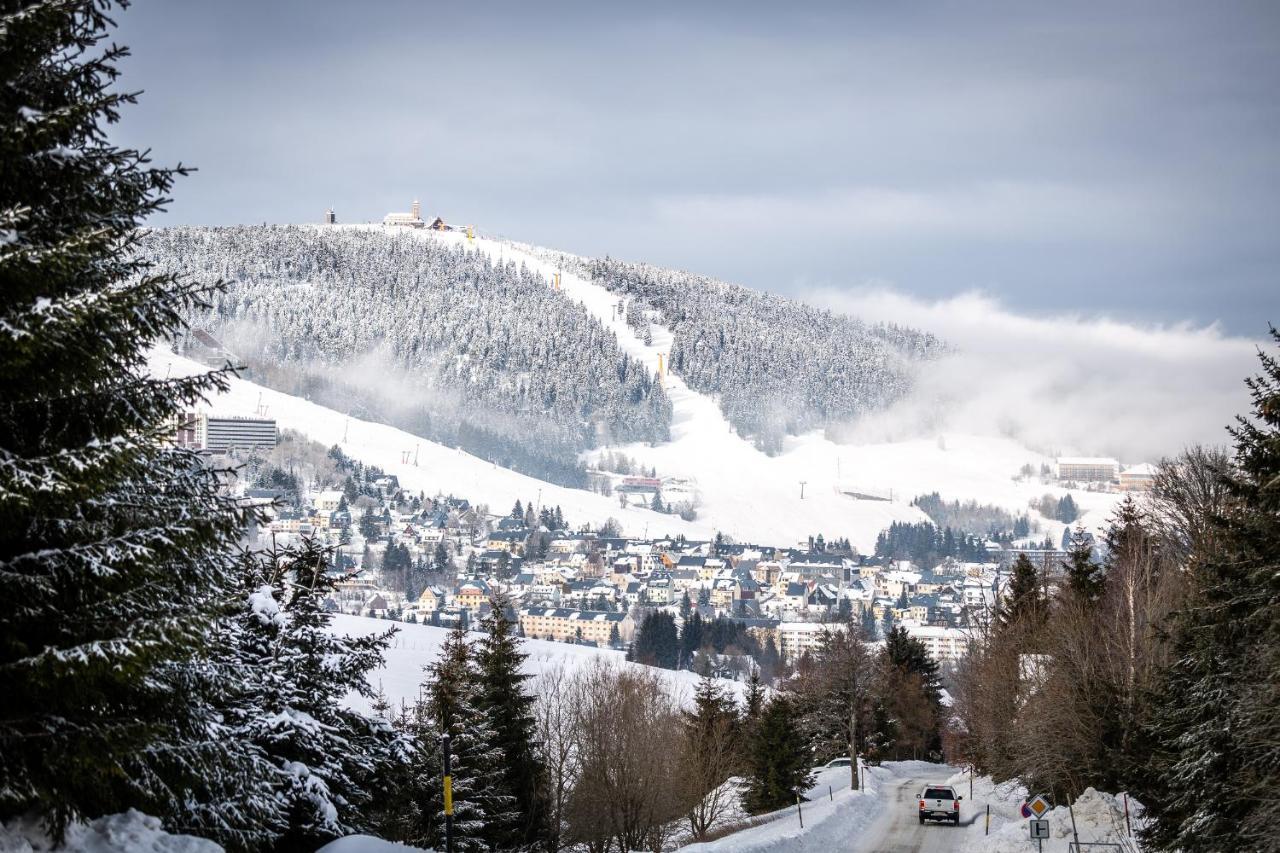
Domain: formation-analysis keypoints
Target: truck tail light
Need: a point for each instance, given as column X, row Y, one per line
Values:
column 955, row 805
column 922, row 804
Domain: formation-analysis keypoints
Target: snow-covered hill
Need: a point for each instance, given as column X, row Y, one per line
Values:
column 415, row 646
column 813, row 485
column 424, row 465
column 756, row 497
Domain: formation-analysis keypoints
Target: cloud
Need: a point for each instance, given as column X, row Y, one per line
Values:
column 1066, row 383
column 992, row 210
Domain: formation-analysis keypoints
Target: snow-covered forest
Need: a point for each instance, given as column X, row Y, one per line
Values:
column 435, row 339
column 778, row 366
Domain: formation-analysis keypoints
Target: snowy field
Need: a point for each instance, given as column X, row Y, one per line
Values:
column 743, row 492
column 438, row 470
column 415, row 646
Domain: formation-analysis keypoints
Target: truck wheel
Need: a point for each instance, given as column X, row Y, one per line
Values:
column 922, row 818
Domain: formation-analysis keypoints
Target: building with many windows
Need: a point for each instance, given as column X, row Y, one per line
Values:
column 1138, row 478
column 561, row 624
column 1088, row 469
column 941, row 643
column 202, row 431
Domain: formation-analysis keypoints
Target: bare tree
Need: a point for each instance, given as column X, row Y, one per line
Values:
column 627, row 791
column 555, row 715
column 1188, row 494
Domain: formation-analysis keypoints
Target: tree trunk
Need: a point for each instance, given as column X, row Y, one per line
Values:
column 853, row 746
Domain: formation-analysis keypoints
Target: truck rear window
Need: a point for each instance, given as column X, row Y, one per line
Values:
column 938, row 794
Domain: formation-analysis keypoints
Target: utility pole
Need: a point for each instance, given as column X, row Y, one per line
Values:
column 802, row 483
column 448, row 795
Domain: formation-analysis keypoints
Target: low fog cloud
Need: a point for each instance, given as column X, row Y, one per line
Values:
column 1067, row 384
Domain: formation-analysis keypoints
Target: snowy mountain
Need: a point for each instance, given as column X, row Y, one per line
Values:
column 808, row 484
column 778, row 367
column 454, row 345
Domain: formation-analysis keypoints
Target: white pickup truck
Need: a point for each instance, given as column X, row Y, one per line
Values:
column 940, row 802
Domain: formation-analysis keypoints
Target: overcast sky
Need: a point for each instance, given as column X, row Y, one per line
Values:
column 1114, row 161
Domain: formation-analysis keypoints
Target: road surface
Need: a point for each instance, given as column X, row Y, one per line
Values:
column 898, row 829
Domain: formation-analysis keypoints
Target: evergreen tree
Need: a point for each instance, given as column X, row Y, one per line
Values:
column 657, row 641
column 1085, row 578
column 328, row 757
column 910, row 655
column 779, row 757
column 867, row 624
column 412, row 791
column 690, row 638
column 887, row 621
column 753, row 699
column 116, row 548
column 503, row 699
column 441, row 562
column 1066, row 511
column 517, row 511
column 1023, row 601
column 1216, row 718
column 710, row 732
column 478, row 779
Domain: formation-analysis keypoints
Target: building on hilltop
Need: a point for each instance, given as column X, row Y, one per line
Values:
column 330, row 218
column 1138, row 478
column 1088, row 469
column 412, row 219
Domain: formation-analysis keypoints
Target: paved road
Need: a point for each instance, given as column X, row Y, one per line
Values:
column 899, row 829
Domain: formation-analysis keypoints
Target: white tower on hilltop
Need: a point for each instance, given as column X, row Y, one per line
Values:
column 330, row 218
column 416, row 210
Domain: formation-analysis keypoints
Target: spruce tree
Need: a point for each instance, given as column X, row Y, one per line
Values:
column 1085, row 578
column 1216, row 721
column 328, row 757
column 779, row 759
column 115, row 546
column 478, row 795
column 1023, row 600
column 504, row 701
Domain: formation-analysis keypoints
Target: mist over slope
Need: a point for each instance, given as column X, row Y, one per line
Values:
column 777, row 366
column 451, row 344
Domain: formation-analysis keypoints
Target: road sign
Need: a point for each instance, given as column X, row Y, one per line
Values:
column 1026, row 810
column 1039, row 806
column 1039, row 828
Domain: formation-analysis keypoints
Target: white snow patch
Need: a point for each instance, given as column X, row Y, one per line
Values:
column 415, row 646
column 368, row 844
column 129, row 832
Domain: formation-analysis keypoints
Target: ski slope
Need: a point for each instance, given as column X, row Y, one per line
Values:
column 757, row 498
column 813, row 486
column 430, row 467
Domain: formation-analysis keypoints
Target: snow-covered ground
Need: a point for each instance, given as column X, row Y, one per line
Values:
column 415, row 646
column 431, row 468
column 1099, row 817
column 882, row 818
column 129, row 832
column 743, row 492
column 756, row 497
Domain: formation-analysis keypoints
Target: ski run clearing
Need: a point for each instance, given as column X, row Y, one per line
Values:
column 852, row 491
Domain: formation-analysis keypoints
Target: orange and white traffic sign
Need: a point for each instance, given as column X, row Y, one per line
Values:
column 1039, row 806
